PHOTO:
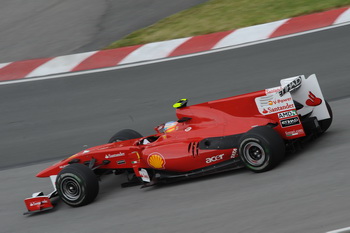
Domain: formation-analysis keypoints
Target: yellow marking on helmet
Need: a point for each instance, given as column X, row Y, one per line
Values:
column 179, row 103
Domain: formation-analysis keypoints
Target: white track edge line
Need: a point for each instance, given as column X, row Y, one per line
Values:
column 343, row 230
column 169, row 58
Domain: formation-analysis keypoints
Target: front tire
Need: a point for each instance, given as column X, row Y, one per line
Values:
column 261, row 149
column 77, row 185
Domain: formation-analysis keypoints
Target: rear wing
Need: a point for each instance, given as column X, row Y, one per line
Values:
column 296, row 98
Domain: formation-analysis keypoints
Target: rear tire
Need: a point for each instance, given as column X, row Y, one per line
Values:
column 125, row 134
column 77, row 185
column 261, row 149
column 325, row 124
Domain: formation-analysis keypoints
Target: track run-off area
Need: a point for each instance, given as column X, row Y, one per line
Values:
column 47, row 120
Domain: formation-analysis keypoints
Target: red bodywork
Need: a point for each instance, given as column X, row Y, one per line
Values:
column 173, row 151
column 37, row 204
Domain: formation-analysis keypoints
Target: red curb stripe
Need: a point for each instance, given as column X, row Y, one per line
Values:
column 20, row 69
column 105, row 58
column 308, row 22
column 199, row 43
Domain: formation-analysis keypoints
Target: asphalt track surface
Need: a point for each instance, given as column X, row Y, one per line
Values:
column 49, row 119
column 48, row 28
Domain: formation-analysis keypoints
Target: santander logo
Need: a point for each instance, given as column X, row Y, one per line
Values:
column 274, row 103
column 276, row 109
column 313, row 100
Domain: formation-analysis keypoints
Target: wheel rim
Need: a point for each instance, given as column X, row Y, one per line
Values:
column 71, row 189
column 254, row 154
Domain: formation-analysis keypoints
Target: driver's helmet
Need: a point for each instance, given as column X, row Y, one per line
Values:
column 170, row 126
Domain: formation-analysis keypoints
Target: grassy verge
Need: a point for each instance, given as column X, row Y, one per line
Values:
column 223, row 15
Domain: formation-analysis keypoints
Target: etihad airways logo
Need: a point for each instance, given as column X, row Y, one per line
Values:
column 293, row 85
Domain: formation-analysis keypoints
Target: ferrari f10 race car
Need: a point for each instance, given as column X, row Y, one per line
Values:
column 252, row 130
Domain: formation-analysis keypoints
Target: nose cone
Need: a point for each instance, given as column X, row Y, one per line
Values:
column 53, row 170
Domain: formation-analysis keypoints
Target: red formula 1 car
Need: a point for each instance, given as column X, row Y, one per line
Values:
column 253, row 130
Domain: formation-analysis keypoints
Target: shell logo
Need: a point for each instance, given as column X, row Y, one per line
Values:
column 156, row 161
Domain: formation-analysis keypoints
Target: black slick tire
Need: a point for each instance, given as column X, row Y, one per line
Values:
column 261, row 149
column 77, row 185
column 325, row 124
column 125, row 134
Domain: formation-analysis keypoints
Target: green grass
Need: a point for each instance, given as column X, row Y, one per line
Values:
column 223, row 15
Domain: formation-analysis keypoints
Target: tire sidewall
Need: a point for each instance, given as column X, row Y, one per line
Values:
column 83, row 178
column 269, row 141
column 244, row 143
column 78, row 179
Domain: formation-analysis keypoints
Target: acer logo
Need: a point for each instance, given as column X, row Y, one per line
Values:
column 214, row 158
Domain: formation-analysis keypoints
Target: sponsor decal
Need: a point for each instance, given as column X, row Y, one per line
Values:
column 266, row 100
column 272, row 90
column 63, row 166
column 283, row 115
column 144, row 175
column 290, row 122
column 294, row 132
column 273, row 103
column 86, row 151
column 156, row 160
column 280, row 101
column 114, row 155
column 271, row 110
column 214, row 158
column 38, row 203
column 188, row 129
column 313, row 100
column 120, row 162
column 234, row 153
column 269, row 100
column 296, row 83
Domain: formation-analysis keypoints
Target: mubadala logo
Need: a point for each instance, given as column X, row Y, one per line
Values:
column 283, row 115
column 290, row 122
